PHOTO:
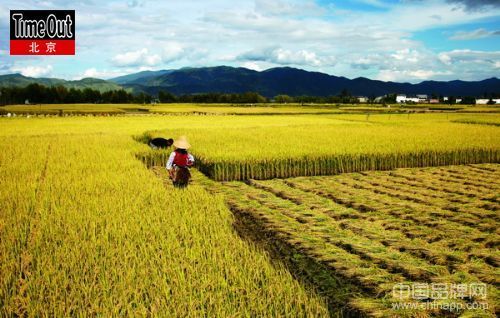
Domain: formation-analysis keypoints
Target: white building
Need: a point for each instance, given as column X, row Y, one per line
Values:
column 422, row 98
column 401, row 98
column 484, row 101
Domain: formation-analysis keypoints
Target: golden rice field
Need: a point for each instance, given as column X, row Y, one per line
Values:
column 334, row 144
column 86, row 229
column 169, row 109
column 233, row 109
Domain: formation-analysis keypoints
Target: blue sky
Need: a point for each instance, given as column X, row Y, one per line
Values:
column 390, row 40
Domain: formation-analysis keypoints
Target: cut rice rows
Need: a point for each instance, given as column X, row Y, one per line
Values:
column 373, row 230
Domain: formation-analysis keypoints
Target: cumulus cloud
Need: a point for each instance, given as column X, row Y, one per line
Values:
column 32, row 71
column 136, row 58
column 474, row 34
column 282, row 56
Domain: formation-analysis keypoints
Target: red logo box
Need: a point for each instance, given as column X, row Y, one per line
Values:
column 42, row 32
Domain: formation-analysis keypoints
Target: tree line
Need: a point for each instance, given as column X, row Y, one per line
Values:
column 40, row 94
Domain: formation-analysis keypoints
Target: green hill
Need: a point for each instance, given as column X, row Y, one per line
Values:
column 18, row 80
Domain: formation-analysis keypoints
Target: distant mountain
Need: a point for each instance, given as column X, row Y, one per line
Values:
column 271, row 82
column 138, row 77
column 294, row 82
column 12, row 80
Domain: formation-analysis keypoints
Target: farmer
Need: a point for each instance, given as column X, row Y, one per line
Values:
column 179, row 162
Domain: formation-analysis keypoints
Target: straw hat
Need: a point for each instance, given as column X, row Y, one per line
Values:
column 182, row 143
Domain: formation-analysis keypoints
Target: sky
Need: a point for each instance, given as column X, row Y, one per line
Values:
column 389, row 40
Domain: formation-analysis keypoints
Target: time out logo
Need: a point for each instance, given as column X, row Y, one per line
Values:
column 42, row 32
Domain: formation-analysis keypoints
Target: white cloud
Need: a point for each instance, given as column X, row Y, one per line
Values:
column 172, row 51
column 407, row 55
column 95, row 73
column 256, row 66
column 286, row 57
column 91, row 72
column 408, row 75
column 32, row 71
column 136, row 58
column 467, row 56
column 473, row 35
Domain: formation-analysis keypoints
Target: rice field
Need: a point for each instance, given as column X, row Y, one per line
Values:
column 367, row 232
column 334, row 144
column 87, row 229
column 170, row 109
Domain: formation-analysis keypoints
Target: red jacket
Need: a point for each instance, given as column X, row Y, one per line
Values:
column 182, row 159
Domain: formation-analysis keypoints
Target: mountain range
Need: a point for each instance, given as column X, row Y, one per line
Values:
column 269, row 83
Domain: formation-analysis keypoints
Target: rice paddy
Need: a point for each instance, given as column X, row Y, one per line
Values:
column 309, row 146
column 363, row 203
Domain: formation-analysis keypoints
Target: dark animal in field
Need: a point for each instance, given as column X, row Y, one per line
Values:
column 181, row 176
column 160, row 143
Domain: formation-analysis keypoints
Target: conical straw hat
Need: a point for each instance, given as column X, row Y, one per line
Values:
column 182, row 143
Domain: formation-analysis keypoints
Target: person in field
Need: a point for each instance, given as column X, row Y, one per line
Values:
column 179, row 162
column 160, row 143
